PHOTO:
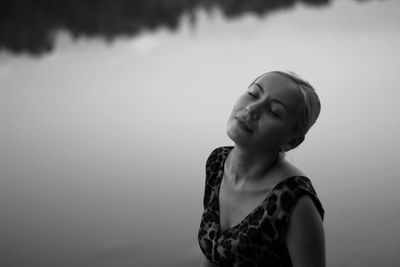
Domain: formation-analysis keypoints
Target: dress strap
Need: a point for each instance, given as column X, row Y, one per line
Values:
column 214, row 168
column 288, row 194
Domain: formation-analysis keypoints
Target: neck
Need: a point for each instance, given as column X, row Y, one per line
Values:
column 249, row 165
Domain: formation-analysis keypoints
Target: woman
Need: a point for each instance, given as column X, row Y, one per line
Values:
column 259, row 209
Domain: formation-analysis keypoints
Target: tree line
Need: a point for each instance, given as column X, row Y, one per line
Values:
column 29, row 26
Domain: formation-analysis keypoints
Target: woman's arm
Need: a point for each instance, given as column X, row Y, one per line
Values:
column 206, row 263
column 305, row 237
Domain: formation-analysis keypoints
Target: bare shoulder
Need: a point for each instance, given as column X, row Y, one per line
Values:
column 305, row 237
column 305, row 211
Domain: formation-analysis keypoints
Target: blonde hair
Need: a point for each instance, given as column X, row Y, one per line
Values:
column 311, row 106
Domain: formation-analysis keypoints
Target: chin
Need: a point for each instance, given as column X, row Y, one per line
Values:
column 237, row 137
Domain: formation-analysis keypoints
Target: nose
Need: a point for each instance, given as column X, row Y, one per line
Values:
column 251, row 111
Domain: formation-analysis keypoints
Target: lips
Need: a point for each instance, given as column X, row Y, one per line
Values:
column 244, row 126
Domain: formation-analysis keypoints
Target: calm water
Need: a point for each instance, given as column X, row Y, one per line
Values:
column 103, row 146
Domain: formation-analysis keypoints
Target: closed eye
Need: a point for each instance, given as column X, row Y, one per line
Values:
column 274, row 113
column 252, row 95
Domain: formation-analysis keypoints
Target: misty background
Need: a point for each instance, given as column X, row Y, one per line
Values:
column 109, row 111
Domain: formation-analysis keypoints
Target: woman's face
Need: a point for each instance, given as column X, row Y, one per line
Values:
column 264, row 117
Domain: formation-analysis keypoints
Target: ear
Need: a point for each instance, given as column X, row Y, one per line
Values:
column 297, row 140
column 285, row 147
column 293, row 143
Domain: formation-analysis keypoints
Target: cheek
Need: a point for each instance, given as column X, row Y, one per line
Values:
column 273, row 130
column 240, row 103
column 292, row 127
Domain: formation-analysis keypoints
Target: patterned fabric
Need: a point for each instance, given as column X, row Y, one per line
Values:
column 258, row 240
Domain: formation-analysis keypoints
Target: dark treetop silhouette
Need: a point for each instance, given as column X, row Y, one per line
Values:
column 29, row 26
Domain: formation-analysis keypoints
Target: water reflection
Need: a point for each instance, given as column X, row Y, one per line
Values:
column 103, row 147
column 111, row 19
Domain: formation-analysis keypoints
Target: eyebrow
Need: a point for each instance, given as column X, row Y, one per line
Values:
column 275, row 100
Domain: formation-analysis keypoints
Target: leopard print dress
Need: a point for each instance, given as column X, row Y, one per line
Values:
column 258, row 240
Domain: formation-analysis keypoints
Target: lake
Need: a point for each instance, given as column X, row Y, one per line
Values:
column 103, row 145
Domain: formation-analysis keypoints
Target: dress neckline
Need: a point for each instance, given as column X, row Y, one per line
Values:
column 220, row 176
